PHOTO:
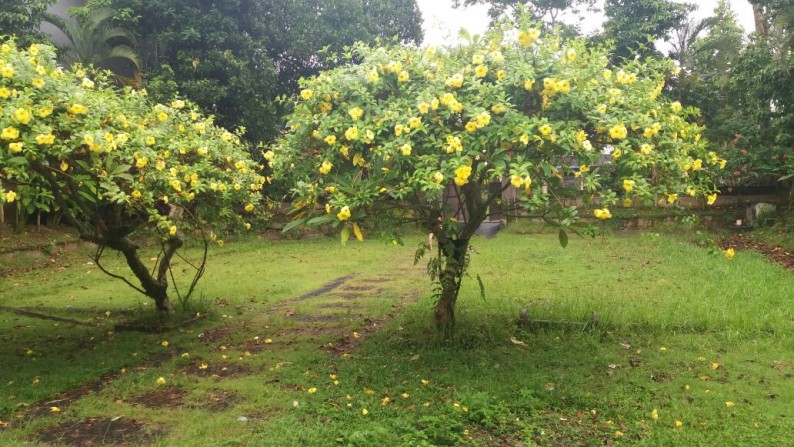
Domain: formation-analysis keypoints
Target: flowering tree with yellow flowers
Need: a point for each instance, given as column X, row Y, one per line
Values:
column 113, row 163
column 422, row 135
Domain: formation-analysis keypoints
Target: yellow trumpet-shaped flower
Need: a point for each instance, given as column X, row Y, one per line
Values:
column 344, row 213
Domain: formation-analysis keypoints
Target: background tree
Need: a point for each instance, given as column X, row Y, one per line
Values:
column 116, row 164
column 420, row 137
column 548, row 12
column 22, row 18
column 93, row 40
column 634, row 25
column 233, row 57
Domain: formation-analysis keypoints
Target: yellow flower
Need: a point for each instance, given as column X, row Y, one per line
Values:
column 54, row 410
column 654, row 414
column 414, row 122
column 618, row 131
column 10, row 133
column 330, row 140
column 646, row 149
column 176, row 185
column 676, row 107
column 602, row 109
column 628, row 185
column 177, row 104
column 524, row 139
column 562, row 86
column 711, row 198
column 406, row 149
column 528, row 84
column 4, row 93
column 501, row 74
column 480, row 71
column 729, row 404
column 627, row 203
column 730, row 253
column 671, row 198
column 425, row 382
column 344, row 213
column 33, row 49
column 403, row 77
column 602, row 214
column 162, row 116
column 16, row 147
column 136, row 194
column 399, row 129
column 161, row 381
column 373, row 76
column 364, row 411
column 249, row 207
column 462, row 175
column 307, row 94
column 7, row 71
column 325, row 168
column 150, row 140
column 618, row 434
column 438, row 177
column 351, row 134
column 22, row 116
column 394, row 66
column 423, row 107
column 697, row 165
column 141, row 162
column 10, row 196
column 64, row 165
column 87, row 83
column 172, row 230
column 617, row 153
column 545, row 129
column 477, row 59
column 312, row 390
column 38, row 83
column 164, row 343
column 679, row 424
column 527, row 38
column 471, row 126
column 455, row 80
column 355, row 113
column 571, row 55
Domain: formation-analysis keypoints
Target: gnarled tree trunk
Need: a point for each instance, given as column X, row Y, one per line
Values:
column 452, row 253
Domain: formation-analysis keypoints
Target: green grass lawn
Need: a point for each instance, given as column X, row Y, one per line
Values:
column 701, row 340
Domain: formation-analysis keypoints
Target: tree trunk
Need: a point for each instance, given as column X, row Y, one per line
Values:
column 761, row 27
column 453, row 254
column 155, row 288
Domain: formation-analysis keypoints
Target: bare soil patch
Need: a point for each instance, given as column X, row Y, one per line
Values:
column 98, row 432
column 217, row 401
column 169, row 397
column 742, row 242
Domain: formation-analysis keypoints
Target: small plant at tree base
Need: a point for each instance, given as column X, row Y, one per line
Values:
column 408, row 135
column 113, row 163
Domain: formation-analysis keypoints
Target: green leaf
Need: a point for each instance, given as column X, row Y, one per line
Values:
column 563, row 238
column 17, row 161
column 293, row 224
column 321, row 219
column 345, row 235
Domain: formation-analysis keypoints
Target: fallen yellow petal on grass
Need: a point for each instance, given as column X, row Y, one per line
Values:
column 161, row 381
column 164, row 343
column 679, row 424
column 729, row 404
column 203, row 366
column 312, row 390
column 54, row 410
column 364, row 411
column 425, row 382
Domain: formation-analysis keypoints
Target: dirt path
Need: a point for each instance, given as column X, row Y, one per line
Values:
column 338, row 315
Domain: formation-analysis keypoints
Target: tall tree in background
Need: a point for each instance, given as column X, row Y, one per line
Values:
column 634, row 25
column 548, row 12
column 92, row 39
column 233, row 57
column 22, row 18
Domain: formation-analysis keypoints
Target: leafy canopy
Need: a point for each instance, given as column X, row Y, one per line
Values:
column 113, row 161
column 391, row 137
